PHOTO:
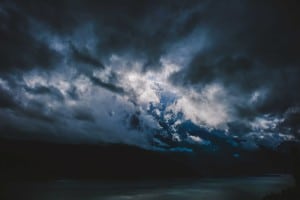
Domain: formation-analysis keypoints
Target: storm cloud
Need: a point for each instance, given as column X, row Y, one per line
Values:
column 157, row 74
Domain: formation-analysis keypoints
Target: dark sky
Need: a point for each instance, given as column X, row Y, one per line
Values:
column 156, row 74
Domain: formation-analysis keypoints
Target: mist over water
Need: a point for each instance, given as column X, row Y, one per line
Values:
column 211, row 189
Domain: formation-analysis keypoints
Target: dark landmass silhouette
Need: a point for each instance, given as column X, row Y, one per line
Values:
column 291, row 193
column 31, row 160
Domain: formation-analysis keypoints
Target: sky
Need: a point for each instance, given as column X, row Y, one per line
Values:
column 162, row 75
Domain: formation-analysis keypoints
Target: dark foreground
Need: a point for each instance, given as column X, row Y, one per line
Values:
column 251, row 188
column 31, row 170
column 34, row 160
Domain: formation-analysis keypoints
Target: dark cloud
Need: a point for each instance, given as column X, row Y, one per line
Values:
column 108, row 86
column 131, row 26
column 43, row 90
column 19, row 48
column 291, row 122
column 254, row 45
column 6, row 99
column 84, row 115
column 121, row 27
column 12, row 104
column 85, row 57
column 38, row 111
column 134, row 121
column 73, row 93
column 59, row 16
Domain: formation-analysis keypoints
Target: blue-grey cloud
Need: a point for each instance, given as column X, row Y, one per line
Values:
column 166, row 75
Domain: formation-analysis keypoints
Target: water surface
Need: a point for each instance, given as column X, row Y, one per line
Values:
column 205, row 189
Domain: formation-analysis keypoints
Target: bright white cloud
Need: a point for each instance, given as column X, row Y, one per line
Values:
column 265, row 123
column 207, row 107
column 197, row 140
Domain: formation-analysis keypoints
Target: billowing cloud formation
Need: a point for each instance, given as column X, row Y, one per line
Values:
column 164, row 75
